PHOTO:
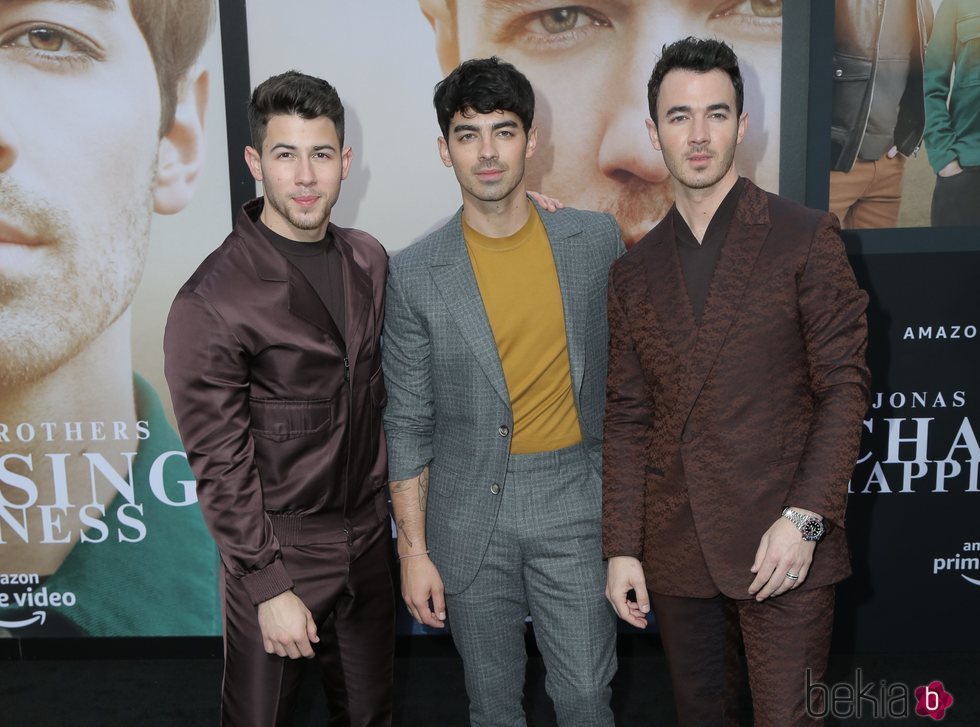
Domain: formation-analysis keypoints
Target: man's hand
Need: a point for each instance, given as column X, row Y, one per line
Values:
column 782, row 550
column 548, row 203
column 624, row 573
column 951, row 169
column 420, row 583
column 287, row 626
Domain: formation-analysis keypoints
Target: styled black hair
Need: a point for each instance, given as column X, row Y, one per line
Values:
column 293, row 94
column 482, row 86
column 699, row 55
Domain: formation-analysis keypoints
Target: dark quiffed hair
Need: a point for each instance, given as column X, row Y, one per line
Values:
column 293, row 94
column 175, row 32
column 699, row 55
column 482, row 86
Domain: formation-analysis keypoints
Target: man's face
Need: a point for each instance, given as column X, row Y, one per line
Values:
column 487, row 152
column 301, row 167
column 589, row 63
column 697, row 127
column 79, row 123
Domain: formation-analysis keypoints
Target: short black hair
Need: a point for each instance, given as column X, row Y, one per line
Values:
column 699, row 55
column 482, row 86
column 293, row 94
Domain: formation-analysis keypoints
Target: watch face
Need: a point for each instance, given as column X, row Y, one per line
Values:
column 812, row 529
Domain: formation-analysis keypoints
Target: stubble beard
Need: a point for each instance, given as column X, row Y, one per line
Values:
column 639, row 207
column 703, row 179
column 87, row 282
column 311, row 220
column 500, row 190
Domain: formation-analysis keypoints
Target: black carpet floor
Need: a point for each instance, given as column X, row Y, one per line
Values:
column 50, row 685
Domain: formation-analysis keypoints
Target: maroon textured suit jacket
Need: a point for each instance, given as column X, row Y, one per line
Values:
column 711, row 431
column 279, row 412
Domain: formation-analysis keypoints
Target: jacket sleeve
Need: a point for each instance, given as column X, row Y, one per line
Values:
column 627, row 432
column 835, row 334
column 207, row 372
column 410, row 414
column 940, row 136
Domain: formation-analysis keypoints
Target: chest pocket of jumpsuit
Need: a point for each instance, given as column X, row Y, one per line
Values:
column 282, row 419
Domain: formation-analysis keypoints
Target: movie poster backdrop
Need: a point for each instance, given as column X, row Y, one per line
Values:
column 99, row 529
column 113, row 186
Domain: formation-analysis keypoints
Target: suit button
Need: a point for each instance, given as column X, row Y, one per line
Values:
column 838, row 73
column 503, row 430
column 495, row 488
column 687, row 437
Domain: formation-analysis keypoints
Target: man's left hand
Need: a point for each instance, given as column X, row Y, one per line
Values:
column 548, row 203
column 782, row 550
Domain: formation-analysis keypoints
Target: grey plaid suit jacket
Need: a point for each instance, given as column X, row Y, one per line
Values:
column 448, row 405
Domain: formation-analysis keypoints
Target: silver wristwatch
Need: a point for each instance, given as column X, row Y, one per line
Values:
column 810, row 526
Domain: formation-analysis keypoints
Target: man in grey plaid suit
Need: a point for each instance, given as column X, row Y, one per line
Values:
column 495, row 357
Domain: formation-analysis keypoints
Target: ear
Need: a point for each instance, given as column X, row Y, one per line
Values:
column 532, row 142
column 181, row 154
column 346, row 157
column 654, row 136
column 444, row 151
column 254, row 161
column 743, row 124
column 441, row 17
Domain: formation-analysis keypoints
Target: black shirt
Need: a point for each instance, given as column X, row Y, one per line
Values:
column 698, row 260
column 321, row 265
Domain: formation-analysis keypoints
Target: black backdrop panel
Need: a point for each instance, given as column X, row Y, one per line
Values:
column 913, row 513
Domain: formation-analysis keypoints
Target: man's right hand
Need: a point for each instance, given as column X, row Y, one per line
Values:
column 420, row 583
column 625, row 573
column 951, row 169
column 287, row 626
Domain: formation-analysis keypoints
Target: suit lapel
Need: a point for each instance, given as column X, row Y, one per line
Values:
column 452, row 274
column 565, row 239
column 668, row 291
column 740, row 250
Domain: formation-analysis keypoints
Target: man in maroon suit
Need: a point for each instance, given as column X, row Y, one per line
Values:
column 274, row 364
column 737, row 387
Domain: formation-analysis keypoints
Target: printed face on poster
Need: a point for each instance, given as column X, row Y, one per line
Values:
column 113, row 185
column 589, row 65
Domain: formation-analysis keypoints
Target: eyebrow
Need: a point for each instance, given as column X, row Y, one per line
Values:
column 293, row 147
column 107, row 5
column 687, row 109
column 519, row 5
column 508, row 124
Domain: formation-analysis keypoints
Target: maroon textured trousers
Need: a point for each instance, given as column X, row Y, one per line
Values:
column 783, row 638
